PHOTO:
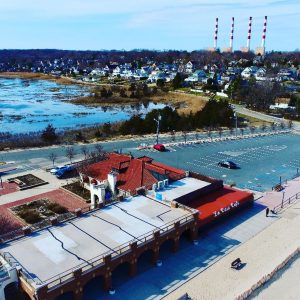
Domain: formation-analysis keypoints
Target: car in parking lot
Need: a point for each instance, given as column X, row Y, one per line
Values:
column 60, row 171
column 159, row 147
column 64, row 171
column 228, row 164
column 55, row 169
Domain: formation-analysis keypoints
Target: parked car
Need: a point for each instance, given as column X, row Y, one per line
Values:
column 228, row 164
column 63, row 171
column 159, row 147
column 55, row 169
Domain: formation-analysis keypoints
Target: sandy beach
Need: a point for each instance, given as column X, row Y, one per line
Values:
column 284, row 285
column 261, row 255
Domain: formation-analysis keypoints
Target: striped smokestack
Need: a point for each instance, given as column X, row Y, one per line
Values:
column 231, row 33
column 216, row 34
column 263, row 42
column 249, row 33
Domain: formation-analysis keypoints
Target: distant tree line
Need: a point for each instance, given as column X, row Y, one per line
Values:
column 135, row 90
column 138, row 57
column 214, row 114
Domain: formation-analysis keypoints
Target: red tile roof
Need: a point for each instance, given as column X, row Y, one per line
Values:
column 132, row 173
column 221, row 202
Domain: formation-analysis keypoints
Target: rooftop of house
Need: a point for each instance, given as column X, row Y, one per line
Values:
column 88, row 238
column 132, row 173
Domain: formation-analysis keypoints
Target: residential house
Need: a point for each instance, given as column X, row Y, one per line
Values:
column 249, row 72
column 197, row 76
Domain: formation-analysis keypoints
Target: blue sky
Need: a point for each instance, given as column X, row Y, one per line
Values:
column 151, row 24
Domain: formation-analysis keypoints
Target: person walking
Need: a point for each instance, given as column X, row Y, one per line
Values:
column 267, row 211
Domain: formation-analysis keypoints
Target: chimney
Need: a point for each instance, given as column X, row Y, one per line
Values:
column 216, row 34
column 231, row 35
column 263, row 42
column 249, row 33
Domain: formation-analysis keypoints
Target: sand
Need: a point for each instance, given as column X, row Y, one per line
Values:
column 261, row 254
column 284, row 285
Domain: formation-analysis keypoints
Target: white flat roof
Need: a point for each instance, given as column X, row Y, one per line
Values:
column 50, row 252
column 179, row 188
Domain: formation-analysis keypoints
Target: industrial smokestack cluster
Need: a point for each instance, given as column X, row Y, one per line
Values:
column 259, row 50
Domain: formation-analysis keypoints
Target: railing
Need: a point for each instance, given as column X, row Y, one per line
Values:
column 285, row 202
column 98, row 260
column 13, row 262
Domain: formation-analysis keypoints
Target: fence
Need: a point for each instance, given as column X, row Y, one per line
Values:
column 285, row 202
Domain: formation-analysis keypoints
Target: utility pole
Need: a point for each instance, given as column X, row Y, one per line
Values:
column 235, row 118
column 157, row 128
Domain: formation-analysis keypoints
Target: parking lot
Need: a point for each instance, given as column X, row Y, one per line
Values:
column 262, row 160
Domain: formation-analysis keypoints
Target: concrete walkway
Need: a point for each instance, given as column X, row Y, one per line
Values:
column 261, row 255
column 54, row 184
column 272, row 199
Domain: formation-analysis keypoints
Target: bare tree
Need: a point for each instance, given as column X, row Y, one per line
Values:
column 273, row 126
column 52, row 156
column 98, row 149
column 252, row 129
column 220, row 131
column 70, row 153
column 209, row 133
column 85, row 151
column 184, row 134
column 173, row 136
column 263, row 127
column 6, row 225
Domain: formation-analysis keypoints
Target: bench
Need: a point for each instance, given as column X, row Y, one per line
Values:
column 278, row 187
column 236, row 264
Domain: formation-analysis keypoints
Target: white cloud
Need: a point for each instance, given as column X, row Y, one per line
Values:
column 58, row 8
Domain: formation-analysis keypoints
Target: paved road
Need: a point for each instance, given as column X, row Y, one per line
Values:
column 245, row 111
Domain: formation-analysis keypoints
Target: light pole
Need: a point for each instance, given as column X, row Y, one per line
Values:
column 157, row 128
column 235, row 118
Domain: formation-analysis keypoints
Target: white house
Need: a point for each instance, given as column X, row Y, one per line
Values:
column 249, row 72
column 154, row 76
column 189, row 67
column 260, row 74
column 197, row 76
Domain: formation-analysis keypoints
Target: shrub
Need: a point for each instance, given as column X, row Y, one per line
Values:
column 30, row 216
column 57, row 208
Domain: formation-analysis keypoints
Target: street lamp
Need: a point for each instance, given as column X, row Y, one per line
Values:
column 157, row 128
column 235, row 118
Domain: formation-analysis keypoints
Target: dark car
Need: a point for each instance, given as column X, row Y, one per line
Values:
column 228, row 164
column 159, row 147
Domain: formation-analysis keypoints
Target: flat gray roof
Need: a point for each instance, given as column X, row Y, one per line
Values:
column 54, row 250
column 178, row 188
